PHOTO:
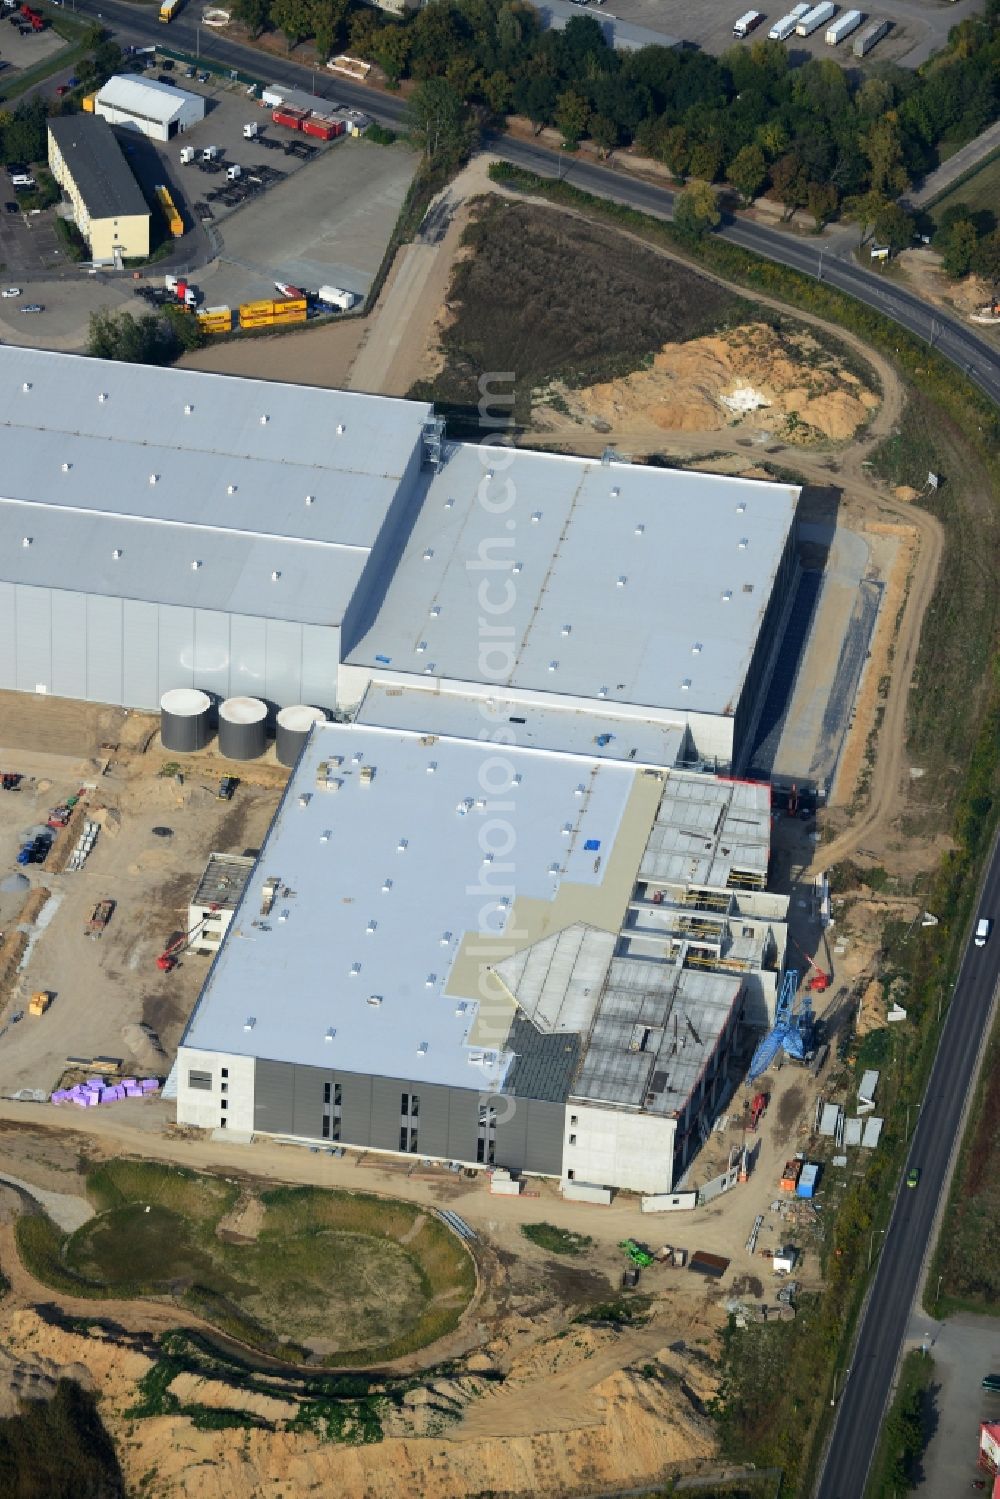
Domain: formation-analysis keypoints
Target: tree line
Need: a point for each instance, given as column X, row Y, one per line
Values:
column 812, row 135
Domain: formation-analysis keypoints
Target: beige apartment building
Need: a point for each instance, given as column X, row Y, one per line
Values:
column 108, row 206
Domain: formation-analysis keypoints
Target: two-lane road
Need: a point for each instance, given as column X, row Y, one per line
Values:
column 865, row 1393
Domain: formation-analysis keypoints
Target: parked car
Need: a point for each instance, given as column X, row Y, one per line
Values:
column 227, row 787
column 11, row 207
column 32, row 307
column 61, row 90
column 11, row 291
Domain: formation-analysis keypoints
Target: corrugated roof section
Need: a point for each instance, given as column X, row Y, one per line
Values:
column 145, row 97
column 94, row 158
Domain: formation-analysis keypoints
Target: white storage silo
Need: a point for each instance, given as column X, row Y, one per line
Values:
column 242, row 728
column 293, row 729
column 184, row 719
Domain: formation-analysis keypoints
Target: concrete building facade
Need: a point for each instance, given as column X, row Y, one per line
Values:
column 108, row 206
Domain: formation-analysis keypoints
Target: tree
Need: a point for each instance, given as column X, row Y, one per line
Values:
column 788, row 181
column 292, row 18
column 390, row 47
column 865, row 209
column 604, row 133
column 893, row 227
column 328, row 19
column 254, row 14
column 821, row 201
column 674, row 150
column 572, row 113
column 696, row 210
column 440, row 123
column 881, row 144
column 960, row 247
column 747, row 172
column 150, row 339
column 986, row 257
column 706, row 159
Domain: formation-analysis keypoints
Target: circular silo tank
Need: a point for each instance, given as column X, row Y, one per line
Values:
column 293, row 731
column 184, row 719
column 242, row 728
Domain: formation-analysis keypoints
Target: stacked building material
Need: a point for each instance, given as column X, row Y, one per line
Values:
column 96, row 1090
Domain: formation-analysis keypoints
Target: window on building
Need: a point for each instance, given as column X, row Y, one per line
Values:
column 486, row 1135
column 224, row 1087
column 572, row 1139
column 404, row 1138
column 327, row 1090
column 225, row 1072
column 199, row 1080
column 224, row 1104
column 571, row 1176
column 574, row 1120
column 222, row 1122
column 332, row 1099
column 326, row 1127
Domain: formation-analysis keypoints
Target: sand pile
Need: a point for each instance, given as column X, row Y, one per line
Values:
column 754, row 375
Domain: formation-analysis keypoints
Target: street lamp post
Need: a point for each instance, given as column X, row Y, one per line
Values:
column 833, row 1397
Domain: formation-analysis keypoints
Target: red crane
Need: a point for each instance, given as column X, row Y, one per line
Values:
column 167, row 961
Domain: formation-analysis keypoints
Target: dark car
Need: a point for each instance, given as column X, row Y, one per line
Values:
column 11, row 207
column 61, row 90
column 227, row 787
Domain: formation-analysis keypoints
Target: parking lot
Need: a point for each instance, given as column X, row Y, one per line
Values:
column 27, row 51
column 107, row 990
column 919, row 27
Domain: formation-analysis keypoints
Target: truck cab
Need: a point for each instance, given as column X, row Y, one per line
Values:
column 983, row 928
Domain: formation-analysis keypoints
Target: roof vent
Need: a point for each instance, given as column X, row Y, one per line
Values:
column 422, row 1049
column 103, row 397
column 188, row 408
column 696, row 648
column 386, row 886
column 230, row 489
column 355, row 970
column 518, row 567
column 444, row 939
column 727, row 594
column 154, row 478
column 432, row 766
column 428, row 553
column 402, row 845
column 326, row 835
column 580, row 789
column 567, row 629
column 66, row 467
column 341, row 429
column 640, row 528
column 741, row 507
column 536, row 516
column 553, row 869
column 685, row 684
column 429, row 670
column 26, row 541
column 195, row 566
column 250, row 1022
column 435, row 611
column 330, row 1033
column 615, row 492
column 449, row 503
column 430, row 981
column 370, row 928
column 26, row 386
column 264, row 419
column 275, row 575
column 374, row 1000
column 310, row 499
column 116, row 554
column 744, row 543
column 567, row 829
column 602, row 692
column 420, row 647
column 553, row 666
column 621, row 580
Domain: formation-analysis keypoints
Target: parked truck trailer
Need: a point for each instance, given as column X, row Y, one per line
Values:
column 748, row 22
column 169, row 9
column 871, row 35
column 815, row 18
column 843, row 26
column 782, row 30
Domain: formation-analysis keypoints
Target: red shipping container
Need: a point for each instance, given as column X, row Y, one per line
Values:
column 321, row 129
column 290, row 117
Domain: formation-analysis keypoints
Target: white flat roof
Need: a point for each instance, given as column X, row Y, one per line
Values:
column 146, row 97
column 82, row 440
column 530, row 721
column 403, row 887
column 709, row 830
column 597, row 580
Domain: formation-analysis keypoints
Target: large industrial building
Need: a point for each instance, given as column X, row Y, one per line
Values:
column 497, row 955
column 108, row 206
column 170, row 529
column 157, row 110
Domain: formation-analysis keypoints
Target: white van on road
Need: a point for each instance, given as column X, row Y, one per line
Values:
column 983, row 928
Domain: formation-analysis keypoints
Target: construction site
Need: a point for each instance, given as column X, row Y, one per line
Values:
column 670, row 955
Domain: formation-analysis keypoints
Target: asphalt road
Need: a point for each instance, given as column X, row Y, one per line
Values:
column 866, row 1391
column 952, row 338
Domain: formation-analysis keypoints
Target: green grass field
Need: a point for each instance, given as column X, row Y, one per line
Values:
column 980, row 190
column 333, row 1276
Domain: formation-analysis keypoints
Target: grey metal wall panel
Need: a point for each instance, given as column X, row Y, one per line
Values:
column 248, row 656
column 69, row 644
column 273, row 1094
column 463, row 1122
column 307, row 1109
column 387, row 1095
column 356, row 1108
column 176, row 646
column 544, row 1144
column 104, row 649
column 283, row 682
column 320, row 661
column 34, row 639
column 512, row 1132
column 140, row 640
column 432, row 1134
column 211, row 651
column 8, row 636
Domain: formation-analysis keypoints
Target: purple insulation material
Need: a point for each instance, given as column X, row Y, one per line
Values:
column 94, row 1082
column 149, row 1085
column 90, row 1101
column 128, row 1082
